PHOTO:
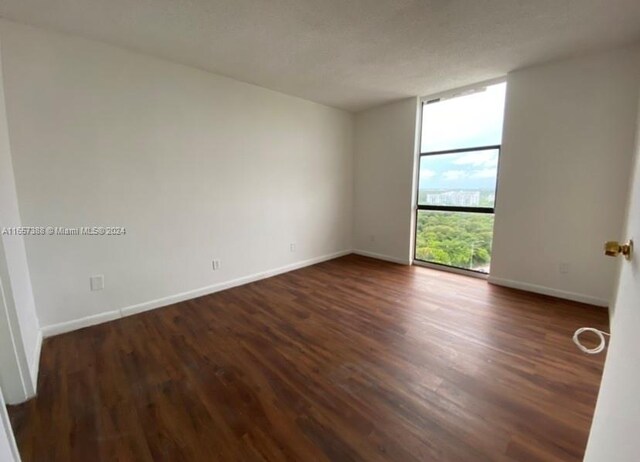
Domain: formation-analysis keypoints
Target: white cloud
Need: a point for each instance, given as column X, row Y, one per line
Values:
column 484, row 173
column 478, row 159
column 472, row 120
column 426, row 174
column 451, row 175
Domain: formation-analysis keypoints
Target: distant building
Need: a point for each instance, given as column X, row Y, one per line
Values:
column 458, row 198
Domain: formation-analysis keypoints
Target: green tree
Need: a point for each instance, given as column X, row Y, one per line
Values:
column 454, row 238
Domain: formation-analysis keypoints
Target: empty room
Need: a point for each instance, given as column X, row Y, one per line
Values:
column 304, row 230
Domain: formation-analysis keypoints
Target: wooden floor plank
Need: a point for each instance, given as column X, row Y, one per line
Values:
column 353, row 359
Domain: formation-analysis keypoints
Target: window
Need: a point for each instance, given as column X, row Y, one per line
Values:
column 459, row 153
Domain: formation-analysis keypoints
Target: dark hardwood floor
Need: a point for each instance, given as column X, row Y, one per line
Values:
column 350, row 360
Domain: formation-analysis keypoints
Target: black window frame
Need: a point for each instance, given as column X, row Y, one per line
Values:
column 455, row 208
column 449, row 208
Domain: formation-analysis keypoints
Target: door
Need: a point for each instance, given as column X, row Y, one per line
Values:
column 8, row 448
column 615, row 432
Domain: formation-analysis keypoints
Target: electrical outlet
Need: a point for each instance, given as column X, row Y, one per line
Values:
column 96, row 282
column 215, row 264
column 564, row 267
column 292, row 247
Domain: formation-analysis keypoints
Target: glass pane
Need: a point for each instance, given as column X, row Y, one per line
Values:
column 465, row 121
column 457, row 239
column 466, row 179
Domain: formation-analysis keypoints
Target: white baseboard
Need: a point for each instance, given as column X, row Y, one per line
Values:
column 75, row 324
column 379, row 256
column 170, row 300
column 87, row 321
column 576, row 297
column 34, row 367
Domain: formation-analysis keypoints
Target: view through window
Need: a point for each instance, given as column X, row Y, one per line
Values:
column 459, row 152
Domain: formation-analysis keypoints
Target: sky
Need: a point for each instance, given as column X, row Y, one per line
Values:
column 466, row 121
column 467, row 170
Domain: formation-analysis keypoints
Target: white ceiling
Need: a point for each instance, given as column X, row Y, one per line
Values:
column 351, row 54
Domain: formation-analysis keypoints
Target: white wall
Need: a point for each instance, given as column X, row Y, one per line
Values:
column 567, row 149
column 384, row 184
column 20, row 342
column 614, row 432
column 194, row 165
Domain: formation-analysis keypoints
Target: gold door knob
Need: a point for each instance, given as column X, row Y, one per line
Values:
column 614, row 248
